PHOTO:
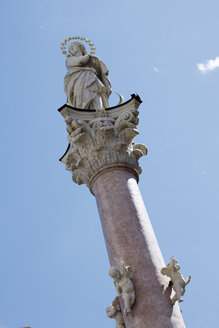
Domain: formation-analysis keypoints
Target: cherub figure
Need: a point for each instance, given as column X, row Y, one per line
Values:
column 177, row 280
column 124, row 286
column 114, row 311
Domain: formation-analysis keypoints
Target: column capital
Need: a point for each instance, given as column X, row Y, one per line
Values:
column 101, row 138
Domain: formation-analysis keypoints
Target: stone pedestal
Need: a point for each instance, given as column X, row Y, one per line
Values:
column 102, row 154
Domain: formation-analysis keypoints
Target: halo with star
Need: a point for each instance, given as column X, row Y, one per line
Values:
column 63, row 45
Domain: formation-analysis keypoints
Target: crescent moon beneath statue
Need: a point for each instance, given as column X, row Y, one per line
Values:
column 121, row 98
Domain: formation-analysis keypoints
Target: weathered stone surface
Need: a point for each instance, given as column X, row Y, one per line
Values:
column 101, row 138
column 129, row 236
column 102, row 154
column 114, row 311
column 122, row 277
column 86, row 84
column 176, row 279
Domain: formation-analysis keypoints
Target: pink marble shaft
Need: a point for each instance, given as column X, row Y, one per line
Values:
column 129, row 236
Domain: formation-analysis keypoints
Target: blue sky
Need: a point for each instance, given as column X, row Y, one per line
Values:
column 53, row 258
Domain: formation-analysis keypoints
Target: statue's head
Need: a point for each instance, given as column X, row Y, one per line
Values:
column 114, row 273
column 111, row 311
column 77, row 49
column 174, row 264
column 116, row 305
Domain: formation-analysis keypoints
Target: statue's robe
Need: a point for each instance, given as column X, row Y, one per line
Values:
column 87, row 84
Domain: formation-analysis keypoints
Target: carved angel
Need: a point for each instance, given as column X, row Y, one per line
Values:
column 114, row 311
column 179, row 283
column 124, row 286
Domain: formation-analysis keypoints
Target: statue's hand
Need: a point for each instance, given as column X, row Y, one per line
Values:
column 91, row 56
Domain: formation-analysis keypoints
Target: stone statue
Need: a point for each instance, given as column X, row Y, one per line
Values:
column 86, row 84
column 114, row 311
column 124, row 286
column 177, row 280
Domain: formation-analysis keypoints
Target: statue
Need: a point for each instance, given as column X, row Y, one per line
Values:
column 177, row 280
column 114, row 311
column 86, row 83
column 124, row 286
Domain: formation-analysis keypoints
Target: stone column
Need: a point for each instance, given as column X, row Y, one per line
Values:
column 102, row 154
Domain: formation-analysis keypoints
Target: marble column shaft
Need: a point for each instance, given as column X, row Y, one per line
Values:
column 102, row 155
column 129, row 236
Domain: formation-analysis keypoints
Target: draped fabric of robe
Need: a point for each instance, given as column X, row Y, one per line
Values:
column 84, row 89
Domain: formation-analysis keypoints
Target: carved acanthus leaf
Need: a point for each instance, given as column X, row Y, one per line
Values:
column 105, row 138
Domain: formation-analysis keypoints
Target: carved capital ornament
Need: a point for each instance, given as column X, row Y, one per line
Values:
column 102, row 138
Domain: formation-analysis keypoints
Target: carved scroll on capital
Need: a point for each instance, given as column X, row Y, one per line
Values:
column 114, row 311
column 176, row 278
column 122, row 280
column 101, row 138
